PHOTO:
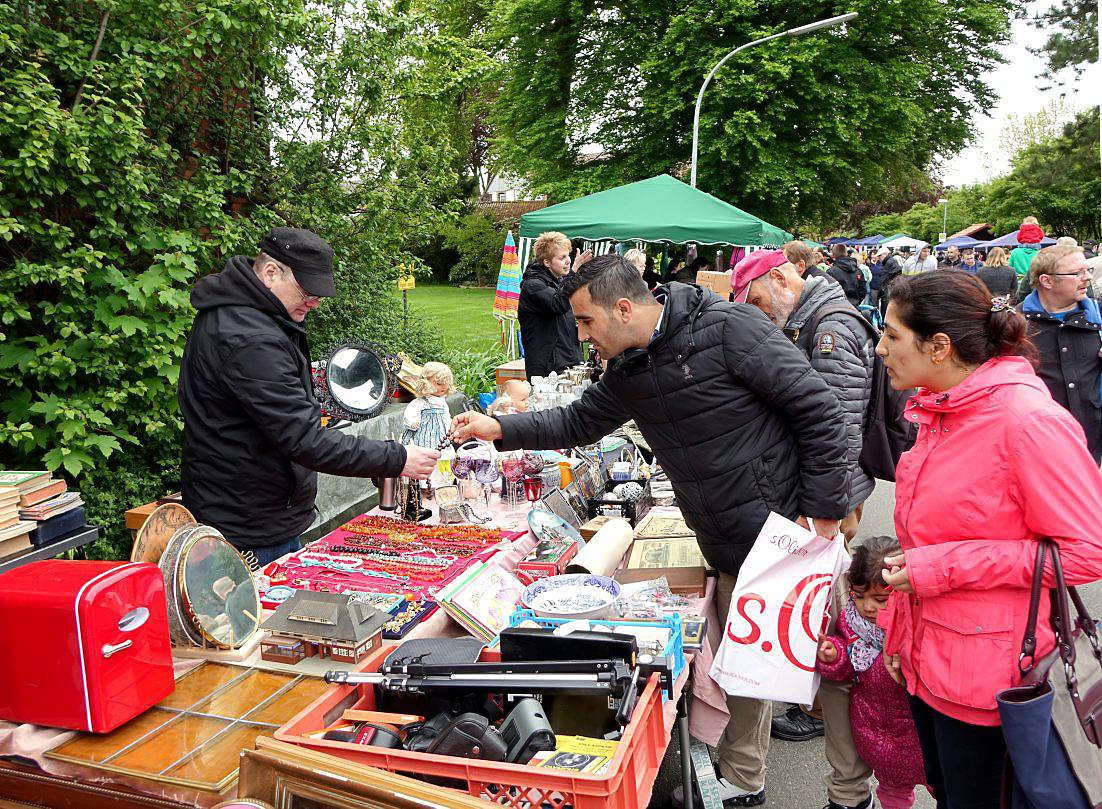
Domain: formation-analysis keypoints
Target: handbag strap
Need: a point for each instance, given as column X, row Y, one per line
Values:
column 1029, row 641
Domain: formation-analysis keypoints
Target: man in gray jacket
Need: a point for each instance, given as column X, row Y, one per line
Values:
column 815, row 314
column 734, row 415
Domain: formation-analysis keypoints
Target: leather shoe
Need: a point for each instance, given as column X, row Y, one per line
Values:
column 865, row 804
column 795, row 726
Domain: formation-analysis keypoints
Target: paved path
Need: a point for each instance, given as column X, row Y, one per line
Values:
column 794, row 779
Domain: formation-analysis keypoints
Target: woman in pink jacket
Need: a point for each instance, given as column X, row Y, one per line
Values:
column 997, row 465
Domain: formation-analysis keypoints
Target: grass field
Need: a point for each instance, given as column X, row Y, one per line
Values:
column 461, row 316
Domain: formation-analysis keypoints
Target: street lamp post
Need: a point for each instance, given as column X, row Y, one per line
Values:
column 791, row 32
column 944, row 218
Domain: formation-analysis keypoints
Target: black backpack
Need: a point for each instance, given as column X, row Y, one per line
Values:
column 886, row 434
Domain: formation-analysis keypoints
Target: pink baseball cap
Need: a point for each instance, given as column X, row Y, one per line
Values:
column 754, row 266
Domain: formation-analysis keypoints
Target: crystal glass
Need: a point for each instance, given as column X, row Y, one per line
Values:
column 533, row 485
column 512, row 469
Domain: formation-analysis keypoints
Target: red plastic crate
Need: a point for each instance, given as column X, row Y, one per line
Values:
column 627, row 785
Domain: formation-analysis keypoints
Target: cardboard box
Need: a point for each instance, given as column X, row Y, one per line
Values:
column 588, row 529
column 718, row 282
column 514, row 369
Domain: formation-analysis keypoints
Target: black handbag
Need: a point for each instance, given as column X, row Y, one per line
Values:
column 1052, row 722
column 465, row 735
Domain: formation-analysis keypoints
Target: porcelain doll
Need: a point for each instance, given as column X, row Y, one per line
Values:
column 427, row 418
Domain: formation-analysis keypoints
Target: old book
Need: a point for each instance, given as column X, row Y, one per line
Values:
column 17, row 542
column 23, row 480
column 52, row 507
column 46, row 491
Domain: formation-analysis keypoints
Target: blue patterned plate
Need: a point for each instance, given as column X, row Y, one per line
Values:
column 574, row 595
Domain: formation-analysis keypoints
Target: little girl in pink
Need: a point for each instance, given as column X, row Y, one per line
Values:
column 883, row 730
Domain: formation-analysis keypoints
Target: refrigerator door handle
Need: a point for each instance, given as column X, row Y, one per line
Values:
column 110, row 648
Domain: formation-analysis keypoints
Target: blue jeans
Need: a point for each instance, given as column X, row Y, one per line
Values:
column 269, row 553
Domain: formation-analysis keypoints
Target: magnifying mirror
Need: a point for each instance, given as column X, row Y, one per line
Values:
column 359, row 379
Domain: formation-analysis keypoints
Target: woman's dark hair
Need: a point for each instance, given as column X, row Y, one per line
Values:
column 866, row 566
column 959, row 304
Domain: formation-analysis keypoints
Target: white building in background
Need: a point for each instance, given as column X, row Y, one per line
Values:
column 506, row 188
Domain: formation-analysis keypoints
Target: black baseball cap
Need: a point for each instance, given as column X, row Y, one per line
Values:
column 308, row 255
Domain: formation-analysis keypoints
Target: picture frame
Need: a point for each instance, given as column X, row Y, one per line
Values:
column 577, row 501
column 557, row 504
column 286, row 776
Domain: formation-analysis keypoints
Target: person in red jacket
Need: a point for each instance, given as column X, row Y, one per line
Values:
column 997, row 465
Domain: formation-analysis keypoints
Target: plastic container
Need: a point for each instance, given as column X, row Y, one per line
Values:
column 627, row 784
column 674, row 649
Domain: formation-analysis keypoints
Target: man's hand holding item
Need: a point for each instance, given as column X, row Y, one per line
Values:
column 419, row 462
column 470, row 425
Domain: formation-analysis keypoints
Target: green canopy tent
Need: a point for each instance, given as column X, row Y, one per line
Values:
column 660, row 209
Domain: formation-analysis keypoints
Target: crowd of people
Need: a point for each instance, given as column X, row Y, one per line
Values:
column 759, row 403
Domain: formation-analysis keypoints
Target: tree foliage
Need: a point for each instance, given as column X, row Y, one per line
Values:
column 1055, row 179
column 144, row 143
column 793, row 130
column 1073, row 38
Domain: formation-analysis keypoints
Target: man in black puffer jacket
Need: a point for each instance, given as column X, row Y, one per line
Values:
column 845, row 271
column 253, row 439
column 732, row 411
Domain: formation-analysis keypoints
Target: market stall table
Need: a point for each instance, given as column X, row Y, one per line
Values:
column 64, row 783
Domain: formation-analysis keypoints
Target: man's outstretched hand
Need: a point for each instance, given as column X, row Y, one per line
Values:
column 419, row 462
column 470, row 425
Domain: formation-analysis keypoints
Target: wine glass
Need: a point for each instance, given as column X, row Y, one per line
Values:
column 486, row 473
column 512, row 469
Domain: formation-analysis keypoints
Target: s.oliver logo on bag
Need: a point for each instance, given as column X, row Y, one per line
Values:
column 778, row 609
column 793, row 619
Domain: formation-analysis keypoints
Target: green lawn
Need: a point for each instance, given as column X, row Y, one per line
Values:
column 461, row 316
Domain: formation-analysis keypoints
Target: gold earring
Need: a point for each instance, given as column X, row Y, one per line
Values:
column 936, row 360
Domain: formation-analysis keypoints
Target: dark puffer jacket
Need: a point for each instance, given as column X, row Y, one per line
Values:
column 842, row 350
column 733, row 413
column 1070, row 363
column 845, row 271
column 252, row 428
column 547, row 327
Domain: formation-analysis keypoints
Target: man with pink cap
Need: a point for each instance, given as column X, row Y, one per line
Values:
column 815, row 314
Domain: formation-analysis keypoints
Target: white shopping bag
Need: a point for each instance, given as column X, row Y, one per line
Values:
column 778, row 609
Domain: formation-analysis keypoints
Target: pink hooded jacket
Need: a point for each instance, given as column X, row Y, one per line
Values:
column 997, row 464
column 880, row 718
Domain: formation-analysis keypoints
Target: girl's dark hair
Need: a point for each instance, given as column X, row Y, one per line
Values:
column 958, row 304
column 866, row 566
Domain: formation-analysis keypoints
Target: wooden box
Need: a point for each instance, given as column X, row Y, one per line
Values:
column 682, row 580
column 718, row 282
column 136, row 517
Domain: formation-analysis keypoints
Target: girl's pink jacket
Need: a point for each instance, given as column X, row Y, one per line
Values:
column 997, row 464
column 883, row 730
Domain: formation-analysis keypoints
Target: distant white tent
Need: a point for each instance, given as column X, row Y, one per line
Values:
column 904, row 241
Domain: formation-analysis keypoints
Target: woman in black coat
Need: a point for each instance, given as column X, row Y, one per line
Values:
column 547, row 328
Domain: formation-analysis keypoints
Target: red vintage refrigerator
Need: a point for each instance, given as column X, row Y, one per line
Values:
column 85, row 644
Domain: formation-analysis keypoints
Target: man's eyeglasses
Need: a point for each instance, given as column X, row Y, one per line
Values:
column 1085, row 272
column 306, row 297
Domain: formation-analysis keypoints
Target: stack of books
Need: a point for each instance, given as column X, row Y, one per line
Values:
column 14, row 487
column 481, row 599
column 44, row 507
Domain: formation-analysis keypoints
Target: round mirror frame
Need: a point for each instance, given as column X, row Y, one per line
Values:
column 390, row 363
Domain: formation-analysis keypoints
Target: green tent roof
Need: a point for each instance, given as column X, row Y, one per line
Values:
column 655, row 210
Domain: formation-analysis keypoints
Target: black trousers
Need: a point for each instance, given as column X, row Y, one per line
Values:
column 964, row 763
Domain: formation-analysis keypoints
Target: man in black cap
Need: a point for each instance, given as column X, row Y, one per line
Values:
column 253, row 440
